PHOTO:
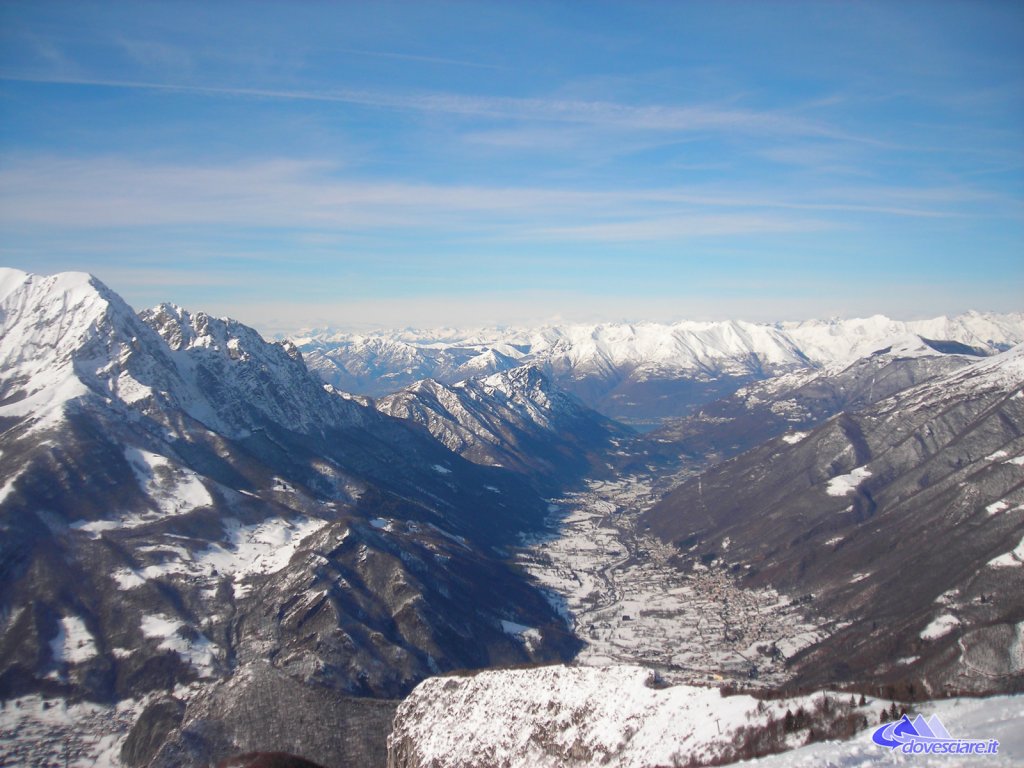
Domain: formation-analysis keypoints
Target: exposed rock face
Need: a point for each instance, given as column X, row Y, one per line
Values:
column 261, row 709
column 180, row 500
column 151, row 730
column 906, row 518
column 513, row 419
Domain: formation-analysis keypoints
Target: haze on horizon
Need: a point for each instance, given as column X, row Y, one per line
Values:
column 430, row 164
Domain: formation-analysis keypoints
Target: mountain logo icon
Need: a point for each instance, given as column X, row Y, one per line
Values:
column 920, row 736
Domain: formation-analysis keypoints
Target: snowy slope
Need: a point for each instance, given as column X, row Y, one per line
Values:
column 68, row 336
column 555, row 717
column 997, row 717
column 621, row 717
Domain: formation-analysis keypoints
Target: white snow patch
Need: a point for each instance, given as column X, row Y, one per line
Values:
column 262, row 548
column 833, row 541
column 530, row 636
column 95, row 527
column 199, row 651
column 996, row 455
column 174, row 490
column 1017, row 461
column 127, row 578
column 381, row 524
column 441, row 469
column 996, row 507
column 73, row 643
column 1011, row 559
column 5, row 491
column 940, row 627
column 794, row 437
column 858, row 577
column 840, row 485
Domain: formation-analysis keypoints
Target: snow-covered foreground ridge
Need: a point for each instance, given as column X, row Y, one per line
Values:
column 620, row 716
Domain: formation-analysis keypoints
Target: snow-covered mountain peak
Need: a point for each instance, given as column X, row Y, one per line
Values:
column 835, row 340
column 999, row 374
column 521, row 380
column 66, row 335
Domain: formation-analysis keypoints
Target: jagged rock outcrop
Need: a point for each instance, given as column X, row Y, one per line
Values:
column 514, row 419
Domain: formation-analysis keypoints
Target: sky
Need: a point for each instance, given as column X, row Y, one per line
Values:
column 378, row 164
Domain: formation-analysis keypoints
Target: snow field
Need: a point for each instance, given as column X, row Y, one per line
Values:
column 197, row 651
column 74, row 643
column 618, row 716
column 840, row 485
column 940, row 626
column 261, row 548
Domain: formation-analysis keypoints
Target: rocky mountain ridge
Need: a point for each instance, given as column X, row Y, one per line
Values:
column 181, row 501
column 904, row 517
column 512, row 419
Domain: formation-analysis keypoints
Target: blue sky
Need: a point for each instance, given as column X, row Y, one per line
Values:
column 427, row 163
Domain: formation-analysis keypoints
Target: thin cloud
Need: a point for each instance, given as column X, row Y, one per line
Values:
column 690, row 226
column 54, row 193
column 696, row 118
column 415, row 57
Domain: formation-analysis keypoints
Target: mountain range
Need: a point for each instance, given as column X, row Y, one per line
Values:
column 638, row 373
column 239, row 545
column 182, row 501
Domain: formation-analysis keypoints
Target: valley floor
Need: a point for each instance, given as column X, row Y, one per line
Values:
column 630, row 605
column 50, row 733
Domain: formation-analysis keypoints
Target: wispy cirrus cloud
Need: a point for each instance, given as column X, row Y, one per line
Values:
column 54, row 193
column 399, row 56
column 61, row 193
column 650, row 117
